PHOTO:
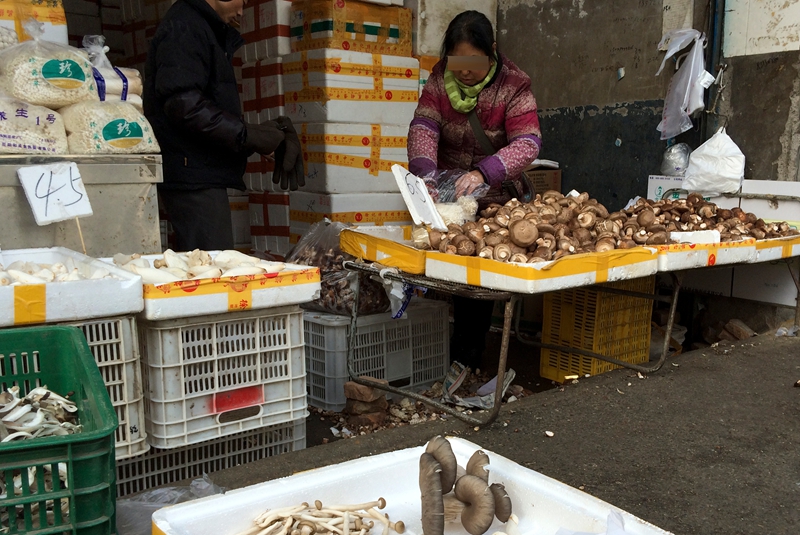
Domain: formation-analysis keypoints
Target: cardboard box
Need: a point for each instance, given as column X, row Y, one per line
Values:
column 545, row 179
column 349, row 25
column 767, row 282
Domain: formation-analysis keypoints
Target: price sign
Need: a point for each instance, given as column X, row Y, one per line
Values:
column 55, row 192
column 416, row 196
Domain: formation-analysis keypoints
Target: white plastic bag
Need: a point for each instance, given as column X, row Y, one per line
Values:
column 685, row 92
column 46, row 74
column 716, row 166
column 676, row 159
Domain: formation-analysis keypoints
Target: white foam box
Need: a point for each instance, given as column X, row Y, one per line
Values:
column 240, row 218
column 265, row 29
column 773, row 210
column 269, row 223
column 352, row 158
column 307, row 208
column 67, row 301
column 679, row 256
column 568, row 272
column 657, row 185
column 768, row 282
column 542, row 504
column 426, row 64
column 338, row 86
column 262, row 90
column 430, row 19
column 185, row 299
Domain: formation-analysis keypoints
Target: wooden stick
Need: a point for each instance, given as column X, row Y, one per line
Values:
column 80, row 234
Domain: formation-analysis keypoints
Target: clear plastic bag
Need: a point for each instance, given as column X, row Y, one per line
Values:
column 113, row 83
column 319, row 247
column 134, row 514
column 108, row 128
column 676, row 159
column 46, row 74
column 442, row 185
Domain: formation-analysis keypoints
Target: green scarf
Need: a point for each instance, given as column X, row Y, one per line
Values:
column 464, row 97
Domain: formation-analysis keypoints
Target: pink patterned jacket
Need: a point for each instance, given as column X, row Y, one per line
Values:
column 441, row 138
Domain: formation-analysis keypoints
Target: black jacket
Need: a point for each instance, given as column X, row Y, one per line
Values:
column 191, row 99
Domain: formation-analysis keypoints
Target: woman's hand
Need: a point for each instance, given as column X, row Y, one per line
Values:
column 468, row 183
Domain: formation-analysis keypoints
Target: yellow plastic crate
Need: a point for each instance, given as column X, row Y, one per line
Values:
column 614, row 325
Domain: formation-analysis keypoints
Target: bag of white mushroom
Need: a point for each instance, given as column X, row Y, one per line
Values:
column 21, row 272
column 553, row 226
column 473, row 501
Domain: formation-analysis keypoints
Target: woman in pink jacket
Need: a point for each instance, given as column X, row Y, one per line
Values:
column 474, row 79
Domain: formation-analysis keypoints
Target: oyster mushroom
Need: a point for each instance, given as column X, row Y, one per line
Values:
column 478, row 513
column 442, row 451
column 476, row 466
column 430, row 486
column 502, row 503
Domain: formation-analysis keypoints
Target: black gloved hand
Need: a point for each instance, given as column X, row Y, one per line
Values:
column 263, row 138
column 289, row 170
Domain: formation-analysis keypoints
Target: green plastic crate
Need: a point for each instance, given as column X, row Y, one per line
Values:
column 59, row 358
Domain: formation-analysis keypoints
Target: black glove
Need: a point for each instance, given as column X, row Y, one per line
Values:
column 288, row 160
column 263, row 138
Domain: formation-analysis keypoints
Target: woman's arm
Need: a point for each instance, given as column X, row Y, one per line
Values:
column 524, row 136
column 425, row 129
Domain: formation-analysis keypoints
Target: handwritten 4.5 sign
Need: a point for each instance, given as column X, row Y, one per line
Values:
column 55, row 192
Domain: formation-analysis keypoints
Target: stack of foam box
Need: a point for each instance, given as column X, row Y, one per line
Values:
column 342, row 71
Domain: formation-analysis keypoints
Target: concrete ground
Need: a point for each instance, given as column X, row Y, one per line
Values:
column 708, row 445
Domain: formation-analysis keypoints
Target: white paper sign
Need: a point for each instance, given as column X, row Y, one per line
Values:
column 416, row 196
column 55, row 192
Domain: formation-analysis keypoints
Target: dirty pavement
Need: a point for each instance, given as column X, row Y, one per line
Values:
column 708, row 445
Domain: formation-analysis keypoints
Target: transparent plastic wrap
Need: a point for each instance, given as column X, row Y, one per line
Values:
column 113, row 83
column 442, row 186
column 46, row 74
column 108, row 128
column 8, row 37
column 29, row 129
column 319, row 247
column 676, row 159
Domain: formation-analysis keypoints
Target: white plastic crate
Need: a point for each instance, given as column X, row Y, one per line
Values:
column 410, row 351
column 216, row 375
column 115, row 346
column 162, row 467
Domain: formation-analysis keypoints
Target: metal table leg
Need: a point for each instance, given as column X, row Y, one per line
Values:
column 635, row 367
column 501, row 370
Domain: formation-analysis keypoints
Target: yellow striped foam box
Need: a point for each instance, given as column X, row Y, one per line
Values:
column 341, row 86
column 352, row 158
column 385, row 245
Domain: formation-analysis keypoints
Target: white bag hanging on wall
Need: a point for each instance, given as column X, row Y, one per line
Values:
column 716, row 166
column 685, row 93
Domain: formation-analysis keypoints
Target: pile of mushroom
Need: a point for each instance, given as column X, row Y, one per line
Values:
column 21, row 272
column 553, row 226
column 322, row 519
column 194, row 265
column 41, row 413
column 472, row 499
column 12, row 485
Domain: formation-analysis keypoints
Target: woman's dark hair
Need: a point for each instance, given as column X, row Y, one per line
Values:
column 472, row 27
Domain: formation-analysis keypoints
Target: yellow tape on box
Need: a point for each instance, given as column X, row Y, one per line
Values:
column 567, row 272
column 384, row 251
column 30, row 304
column 677, row 256
column 777, row 248
column 294, row 285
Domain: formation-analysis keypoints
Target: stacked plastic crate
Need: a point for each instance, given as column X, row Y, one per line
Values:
column 342, row 71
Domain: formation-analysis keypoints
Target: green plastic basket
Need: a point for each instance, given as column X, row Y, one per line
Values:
column 59, row 358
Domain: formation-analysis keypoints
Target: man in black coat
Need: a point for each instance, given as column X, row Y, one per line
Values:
column 192, row 101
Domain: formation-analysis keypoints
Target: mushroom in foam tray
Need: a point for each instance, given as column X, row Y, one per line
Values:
column 472, row 499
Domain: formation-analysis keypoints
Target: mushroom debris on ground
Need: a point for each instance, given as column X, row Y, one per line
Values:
column 411, row 412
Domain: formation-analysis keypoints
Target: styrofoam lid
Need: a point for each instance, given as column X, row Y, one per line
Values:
column 416, row 196
column 697, row 236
